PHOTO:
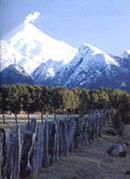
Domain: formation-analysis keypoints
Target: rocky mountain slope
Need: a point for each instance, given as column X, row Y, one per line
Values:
column 87, row 66
column 90, row 68
column 15, row 74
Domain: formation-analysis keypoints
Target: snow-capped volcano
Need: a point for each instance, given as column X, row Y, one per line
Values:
column 29, row 47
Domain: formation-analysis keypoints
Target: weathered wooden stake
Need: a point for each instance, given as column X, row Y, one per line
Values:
column 66, row 151
column 16, row 118
column 39, row 148
column 3, row 118
column 17, row 153
column 46, row 144
column 28, row 117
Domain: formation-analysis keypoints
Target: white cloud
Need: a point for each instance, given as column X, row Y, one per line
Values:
column 31, row 17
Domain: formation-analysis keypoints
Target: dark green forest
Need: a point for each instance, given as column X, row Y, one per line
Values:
column 36, row 98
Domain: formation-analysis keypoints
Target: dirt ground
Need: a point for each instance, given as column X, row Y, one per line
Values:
column 92, row 161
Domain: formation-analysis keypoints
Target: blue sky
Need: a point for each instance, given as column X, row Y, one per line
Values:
column 102, row 23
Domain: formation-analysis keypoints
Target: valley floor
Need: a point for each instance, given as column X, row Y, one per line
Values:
column 92, row 161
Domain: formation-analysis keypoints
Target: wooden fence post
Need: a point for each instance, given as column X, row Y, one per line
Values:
column 8, row 172
column 28, row 117
column 77, row 136
column 57, row 140
column 41, row 117
column 92, row 126
column 2, row 151
column 17, row 153
column 84, row 133
column 16, row 118
column 46, row 144
column 61, row 137
column 86, row 130
column 71, row 134
column 66, row 151
column 3, row 118
column 27, row 159
column 39, row 147
column 95, row 123
column 99, row 125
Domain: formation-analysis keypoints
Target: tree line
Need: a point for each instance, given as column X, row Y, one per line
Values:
column 36, row 98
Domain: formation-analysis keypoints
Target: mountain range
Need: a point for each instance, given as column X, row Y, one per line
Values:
column 30, row 56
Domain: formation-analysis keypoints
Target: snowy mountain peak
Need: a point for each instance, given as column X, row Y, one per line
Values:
column 18, row 68
column 95, row 53
column 15, row 74
column 90, row 48
column 126, row 54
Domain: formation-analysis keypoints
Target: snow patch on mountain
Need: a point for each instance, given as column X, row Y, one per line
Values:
column 50, row 72
column 123, row 84
column 6, row 55
column 47, row 70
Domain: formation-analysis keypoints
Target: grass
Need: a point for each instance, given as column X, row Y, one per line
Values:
column 22, row 118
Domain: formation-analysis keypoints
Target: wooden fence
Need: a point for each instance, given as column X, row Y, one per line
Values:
column 38, row 145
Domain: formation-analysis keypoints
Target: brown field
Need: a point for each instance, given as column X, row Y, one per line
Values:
column 92, row 162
